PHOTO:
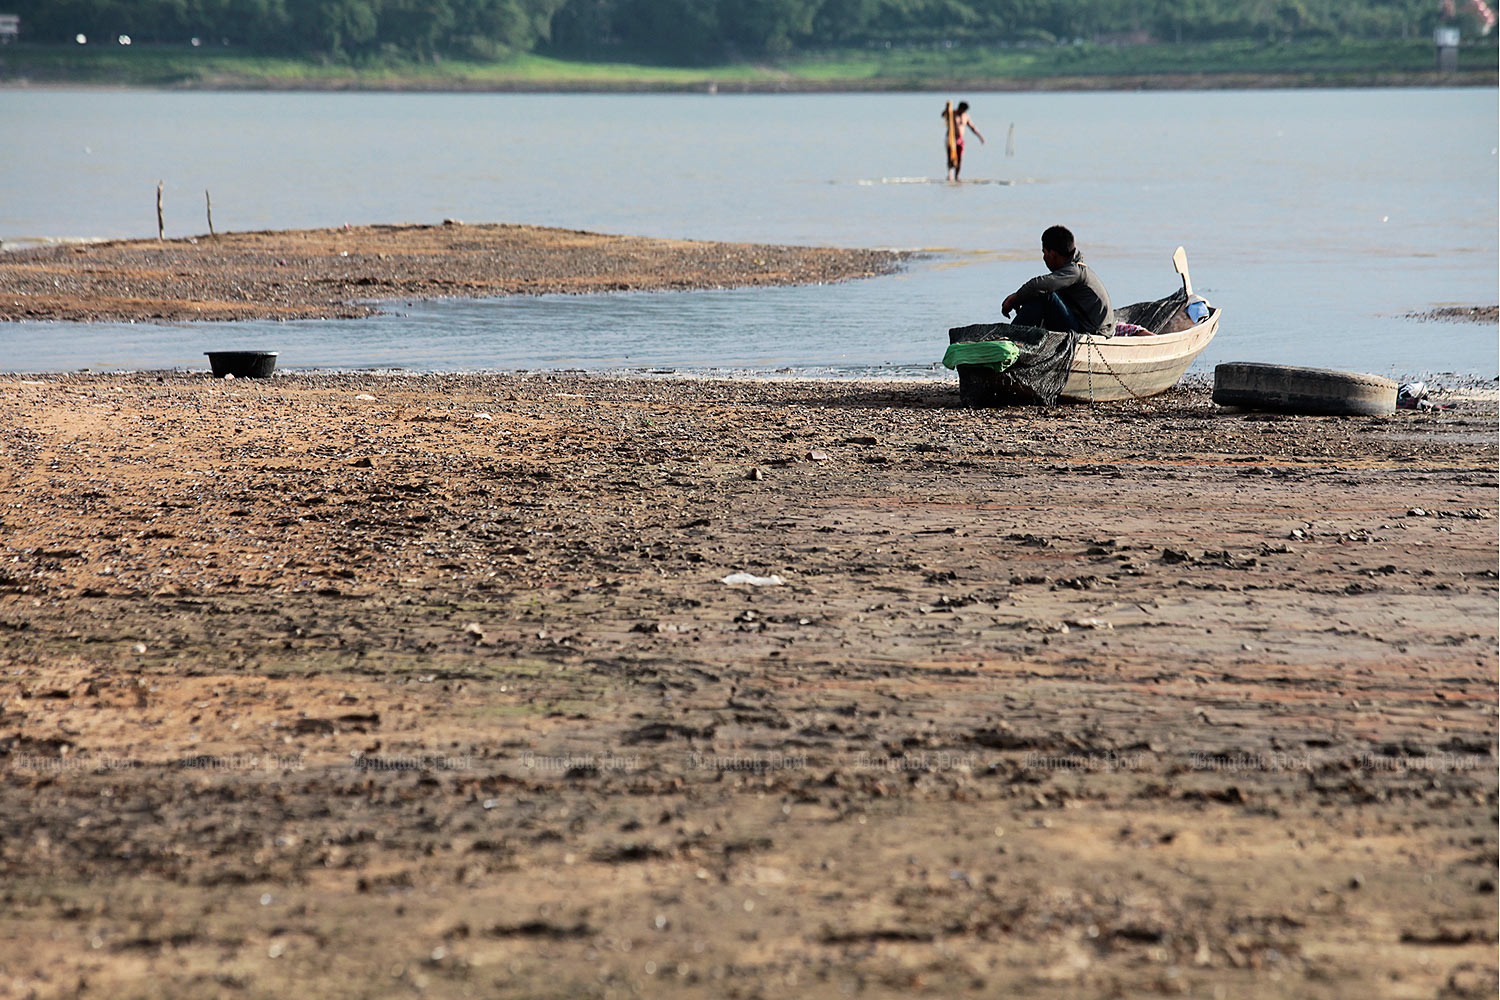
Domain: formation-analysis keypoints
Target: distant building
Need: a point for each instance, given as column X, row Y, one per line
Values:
column 10, row 27
column 1445, row 38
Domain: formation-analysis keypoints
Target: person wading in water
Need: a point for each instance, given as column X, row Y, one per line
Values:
column 958, row 119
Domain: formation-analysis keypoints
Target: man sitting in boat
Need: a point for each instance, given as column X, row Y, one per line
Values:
column 1069, row 299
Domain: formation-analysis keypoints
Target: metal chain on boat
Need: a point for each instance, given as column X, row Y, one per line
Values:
column 1094, row 347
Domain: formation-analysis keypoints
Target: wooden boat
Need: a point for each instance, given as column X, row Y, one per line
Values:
column 1101, row 368
column 1106, row 368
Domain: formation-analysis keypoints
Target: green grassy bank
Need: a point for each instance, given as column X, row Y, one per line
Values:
column 1085, row 66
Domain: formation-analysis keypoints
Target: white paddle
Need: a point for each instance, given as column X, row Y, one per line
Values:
column 1179, row 261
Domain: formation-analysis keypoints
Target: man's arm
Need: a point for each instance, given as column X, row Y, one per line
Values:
column 1052, row 281
column 976, row 132
column 1041, row 285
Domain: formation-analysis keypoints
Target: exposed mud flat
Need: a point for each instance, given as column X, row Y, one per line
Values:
column 337, row 273
column 366, row 686
column 1460, row 314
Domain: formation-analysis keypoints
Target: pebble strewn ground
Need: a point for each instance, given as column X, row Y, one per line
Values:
column 329, row 273
column 366, row 686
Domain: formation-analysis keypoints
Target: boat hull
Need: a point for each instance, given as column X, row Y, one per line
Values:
column 1109, row 368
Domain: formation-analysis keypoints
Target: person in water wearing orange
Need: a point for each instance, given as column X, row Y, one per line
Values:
column 955, row 142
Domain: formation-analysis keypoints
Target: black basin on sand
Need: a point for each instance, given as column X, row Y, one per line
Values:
column 242, row 364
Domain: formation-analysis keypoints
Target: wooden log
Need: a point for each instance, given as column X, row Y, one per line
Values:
column 209, row 206
column 161, row 229
column 950, row 117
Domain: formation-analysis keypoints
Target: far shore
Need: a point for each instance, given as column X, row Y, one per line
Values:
column 1487, row 77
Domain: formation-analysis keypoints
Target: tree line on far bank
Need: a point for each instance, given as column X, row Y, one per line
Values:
column 704, row 31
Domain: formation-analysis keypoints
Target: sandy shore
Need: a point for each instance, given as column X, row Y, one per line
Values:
column 335, row 273
column 352, row 686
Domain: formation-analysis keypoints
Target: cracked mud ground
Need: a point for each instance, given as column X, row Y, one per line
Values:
column 352, row 686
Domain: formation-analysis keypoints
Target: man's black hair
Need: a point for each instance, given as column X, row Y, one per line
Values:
column 963, row 106
column 1058, row 239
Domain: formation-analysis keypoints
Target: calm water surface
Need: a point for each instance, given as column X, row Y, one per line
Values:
column 1316, row 219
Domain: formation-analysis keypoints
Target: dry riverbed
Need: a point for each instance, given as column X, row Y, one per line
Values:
column 351, row 686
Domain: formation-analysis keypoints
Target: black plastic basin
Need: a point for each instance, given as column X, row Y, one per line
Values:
column 242, row 364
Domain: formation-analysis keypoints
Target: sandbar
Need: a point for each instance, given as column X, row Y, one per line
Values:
column 346, row 272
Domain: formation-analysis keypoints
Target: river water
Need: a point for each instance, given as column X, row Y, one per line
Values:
column 1317, row 220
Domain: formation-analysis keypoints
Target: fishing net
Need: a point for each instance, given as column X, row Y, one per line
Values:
column 1039, row 369
column 1161, row 316
column 1037, row 374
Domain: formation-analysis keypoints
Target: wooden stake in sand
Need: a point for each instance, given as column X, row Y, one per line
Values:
column 1010, row 140
column 161, row 229
column 209, row 206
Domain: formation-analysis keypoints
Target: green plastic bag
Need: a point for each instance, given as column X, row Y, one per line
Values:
column 997, row 354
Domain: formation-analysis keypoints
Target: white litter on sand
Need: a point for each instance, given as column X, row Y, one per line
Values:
column 755, row 581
